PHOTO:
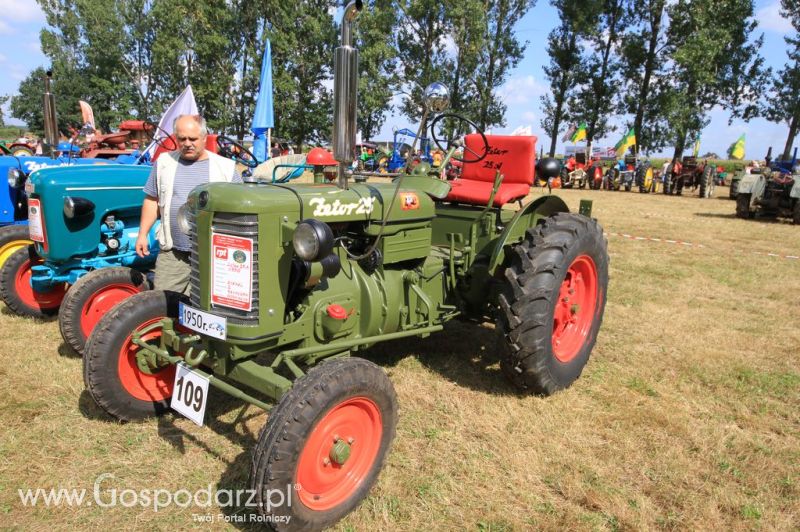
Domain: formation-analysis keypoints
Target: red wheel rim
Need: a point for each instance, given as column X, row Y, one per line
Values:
column 30, row 297
column 144, row 386
column 574, row 311
column 101, row 301
column 324, row 483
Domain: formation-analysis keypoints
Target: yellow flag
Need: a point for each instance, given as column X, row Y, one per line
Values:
column 580, row 133
column 736, row 151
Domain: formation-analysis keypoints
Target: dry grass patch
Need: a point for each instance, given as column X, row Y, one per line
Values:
column 686, row 416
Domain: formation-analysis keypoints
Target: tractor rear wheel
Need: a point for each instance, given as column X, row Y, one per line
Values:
column 92, row 297
column 743, row 206
column 327, row 440
column 796, row 212
column 552, row 305
column 120, row 383
column 16, row 290
column 707, row 182
column 12, row 238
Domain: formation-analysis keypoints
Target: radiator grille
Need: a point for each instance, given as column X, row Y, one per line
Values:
column 242, row 225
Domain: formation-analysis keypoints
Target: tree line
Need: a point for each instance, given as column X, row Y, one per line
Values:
column 659, row 65
column 664, row 65
column 131, row 58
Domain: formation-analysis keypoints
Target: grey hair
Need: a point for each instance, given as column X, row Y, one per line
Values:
column 197, row 118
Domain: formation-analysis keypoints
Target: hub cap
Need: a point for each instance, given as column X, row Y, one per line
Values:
column 102, row 301
column 154, row 386
column 8, row 249
column 339, row 453
column 31, row 298
column 574, row 311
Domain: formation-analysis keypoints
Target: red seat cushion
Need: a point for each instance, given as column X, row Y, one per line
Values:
column 515, row 158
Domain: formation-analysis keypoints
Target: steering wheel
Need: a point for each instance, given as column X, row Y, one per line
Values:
column 167, row 142
column 477, row 156
column 233, row 150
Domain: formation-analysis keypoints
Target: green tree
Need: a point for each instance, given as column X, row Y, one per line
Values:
column 644, row 70
column 377, row 60
column 714, row 61
column 564, row 68
column 782, row 104
column 595, row 98
column 420, row 40
column 303, row 38
column 3, row 101
column 500, row 53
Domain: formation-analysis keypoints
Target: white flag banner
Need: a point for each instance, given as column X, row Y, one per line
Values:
column 525, row 131
column 183, row 105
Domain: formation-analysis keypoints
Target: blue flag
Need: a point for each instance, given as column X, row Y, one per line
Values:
column 264, row 118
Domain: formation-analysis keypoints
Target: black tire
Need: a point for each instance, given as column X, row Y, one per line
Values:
column 12, row 238
column 628, row 187
column 294, row 425
column 707, row 182
column 93, row 296
column 21, row 151
column 734, row 188
column 743, row 206
column 641, row 174
column 538, row 273
column 16, row 292
column 611, row 179
column 565, row 182
column 668, row 180
column 101, row 360
column 796, row 212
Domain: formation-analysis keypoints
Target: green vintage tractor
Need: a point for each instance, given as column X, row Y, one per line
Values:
column 290, row 280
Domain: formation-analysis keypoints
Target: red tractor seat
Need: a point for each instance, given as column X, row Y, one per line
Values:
column 515, row 158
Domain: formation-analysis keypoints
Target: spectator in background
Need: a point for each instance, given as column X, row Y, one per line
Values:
column 275, row 151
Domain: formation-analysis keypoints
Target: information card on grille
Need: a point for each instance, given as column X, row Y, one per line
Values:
column 232, row 271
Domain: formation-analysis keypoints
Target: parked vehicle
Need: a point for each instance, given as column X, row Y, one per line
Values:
column 690, row 173
column 577, row 171
column 301, row 276
column 400, row 150
column 774, row 192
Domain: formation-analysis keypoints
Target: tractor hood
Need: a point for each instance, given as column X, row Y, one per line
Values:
column 328, row 203
column 115, row 190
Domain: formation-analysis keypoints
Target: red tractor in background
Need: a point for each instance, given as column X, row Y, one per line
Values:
column 132, row 135
column 576, row 172
column 690, row 173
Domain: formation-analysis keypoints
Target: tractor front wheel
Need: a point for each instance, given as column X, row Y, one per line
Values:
column 92, row 297
column 118, row 377
column 326, row 441
column 16, row 290
column 12, row 238
column 553, row 302
column 743, row 206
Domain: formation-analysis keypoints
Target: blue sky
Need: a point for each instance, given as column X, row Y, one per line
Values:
column 21, row 21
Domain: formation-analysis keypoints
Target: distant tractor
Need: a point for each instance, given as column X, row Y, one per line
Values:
column 774, row 192
column 577, row 172
column 689, row 173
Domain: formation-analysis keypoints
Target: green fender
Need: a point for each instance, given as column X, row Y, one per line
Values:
column 529, row 216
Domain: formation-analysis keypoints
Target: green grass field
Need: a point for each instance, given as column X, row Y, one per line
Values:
column 687, row 415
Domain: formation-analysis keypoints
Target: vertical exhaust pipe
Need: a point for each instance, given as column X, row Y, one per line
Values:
column 768, row 158
column 50, row 120
column 345, row 93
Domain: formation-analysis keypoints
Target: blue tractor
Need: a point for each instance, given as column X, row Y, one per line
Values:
column 398, row 158
column 84, row 221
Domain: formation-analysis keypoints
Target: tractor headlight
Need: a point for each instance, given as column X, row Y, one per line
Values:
column 77, row 207
column 15, row 177
column 313, row 240
column 184, row 215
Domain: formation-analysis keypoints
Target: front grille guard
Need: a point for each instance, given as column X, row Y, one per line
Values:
column 232, row 224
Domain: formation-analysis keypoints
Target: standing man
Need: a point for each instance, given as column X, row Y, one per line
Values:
column 171, row 180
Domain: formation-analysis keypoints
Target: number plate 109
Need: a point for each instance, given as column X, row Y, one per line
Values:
column 190, row 394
